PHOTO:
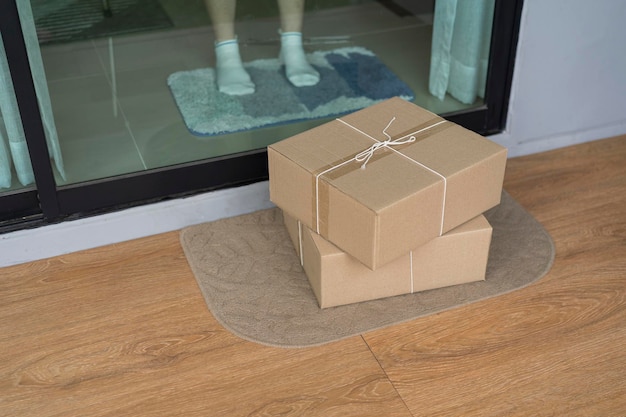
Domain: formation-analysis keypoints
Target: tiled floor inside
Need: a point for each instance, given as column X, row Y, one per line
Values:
column 115, row 114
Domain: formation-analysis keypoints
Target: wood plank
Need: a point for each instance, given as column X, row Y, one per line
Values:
column 123, row 330
column 555, row 347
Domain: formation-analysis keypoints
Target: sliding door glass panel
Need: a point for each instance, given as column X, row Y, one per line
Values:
column 133, row 84
column 16, row 172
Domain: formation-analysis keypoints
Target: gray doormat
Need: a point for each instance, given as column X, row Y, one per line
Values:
column 352, row 78
column 75, row 20
column 252, row 281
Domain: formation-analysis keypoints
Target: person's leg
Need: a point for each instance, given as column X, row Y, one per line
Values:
column 232, row 78
column 299, row 72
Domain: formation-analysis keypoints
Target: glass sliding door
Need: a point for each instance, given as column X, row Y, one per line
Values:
column 125, row 98
column 137, row 99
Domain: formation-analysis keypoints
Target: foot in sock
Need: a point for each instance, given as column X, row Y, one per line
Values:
column 232, row 78
column 299, row 72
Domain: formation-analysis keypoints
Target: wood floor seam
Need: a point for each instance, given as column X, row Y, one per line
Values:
column 382, row 368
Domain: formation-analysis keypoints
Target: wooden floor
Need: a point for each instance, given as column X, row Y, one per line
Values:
column 123, row 330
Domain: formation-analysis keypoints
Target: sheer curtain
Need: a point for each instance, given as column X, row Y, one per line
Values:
column 13, row 149
column 460, row 48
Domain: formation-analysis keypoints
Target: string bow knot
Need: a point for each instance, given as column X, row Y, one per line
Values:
column 365, row 155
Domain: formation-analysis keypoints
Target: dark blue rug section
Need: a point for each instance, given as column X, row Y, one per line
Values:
column 351, row 79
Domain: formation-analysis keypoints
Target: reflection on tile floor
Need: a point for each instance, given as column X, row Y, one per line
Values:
column 115, row 114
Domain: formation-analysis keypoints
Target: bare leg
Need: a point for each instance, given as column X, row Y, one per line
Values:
column 222, row 13
column 232, row 78
column 291, row 12
column 299, row 72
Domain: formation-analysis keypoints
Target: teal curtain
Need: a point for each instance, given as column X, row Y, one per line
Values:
column 11, row 152
column 460, row 48
column 13, row 149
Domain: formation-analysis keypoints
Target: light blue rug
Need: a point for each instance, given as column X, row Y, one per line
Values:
column 351, row 79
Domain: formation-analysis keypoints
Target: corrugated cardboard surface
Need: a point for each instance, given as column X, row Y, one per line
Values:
column 457, row 257
column 396, row 203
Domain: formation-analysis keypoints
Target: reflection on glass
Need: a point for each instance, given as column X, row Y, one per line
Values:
column 142, row 84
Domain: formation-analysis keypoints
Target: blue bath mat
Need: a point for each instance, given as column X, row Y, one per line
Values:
column 351, row 78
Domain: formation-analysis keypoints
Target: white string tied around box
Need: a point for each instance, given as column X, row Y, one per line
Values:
column 365, row 156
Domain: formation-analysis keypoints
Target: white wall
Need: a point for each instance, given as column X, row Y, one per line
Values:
column 569, row 84
column 569, row 87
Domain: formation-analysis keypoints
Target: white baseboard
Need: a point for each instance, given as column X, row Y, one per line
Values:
column 71, row 236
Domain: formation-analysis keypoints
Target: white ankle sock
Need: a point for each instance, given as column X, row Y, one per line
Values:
column 232, row 78
column 299, row 72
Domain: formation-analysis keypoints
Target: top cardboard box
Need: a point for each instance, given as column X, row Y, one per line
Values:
column 422, row 177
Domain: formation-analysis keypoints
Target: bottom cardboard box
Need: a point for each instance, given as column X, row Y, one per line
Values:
column 457, row 257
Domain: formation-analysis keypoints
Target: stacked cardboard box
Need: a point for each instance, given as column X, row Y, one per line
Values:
column 385, row 186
